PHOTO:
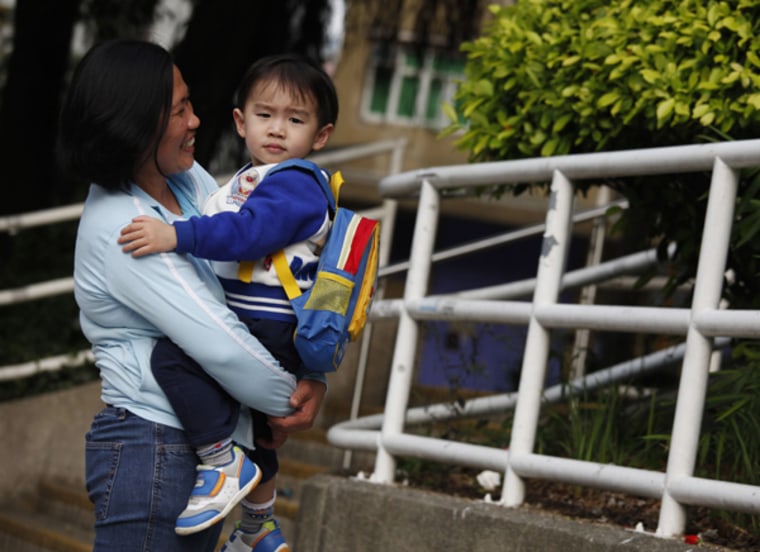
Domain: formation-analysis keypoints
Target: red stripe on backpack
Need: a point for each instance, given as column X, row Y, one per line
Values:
column 361, row 235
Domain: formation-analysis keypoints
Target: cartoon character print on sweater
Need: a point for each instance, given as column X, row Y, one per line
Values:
column 232, row 195
column 242, row 187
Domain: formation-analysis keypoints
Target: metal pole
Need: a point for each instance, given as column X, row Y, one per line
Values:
column 696, row 363
column 402, row 367
column 548, row 280
column 387, row 224
column 588, row 293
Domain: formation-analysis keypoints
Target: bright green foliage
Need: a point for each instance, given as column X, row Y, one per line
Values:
column 553, row 77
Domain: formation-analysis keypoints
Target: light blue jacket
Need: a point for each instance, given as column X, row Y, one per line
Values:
column 126, row 303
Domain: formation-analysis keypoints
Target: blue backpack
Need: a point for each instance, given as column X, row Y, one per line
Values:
column 334, row 310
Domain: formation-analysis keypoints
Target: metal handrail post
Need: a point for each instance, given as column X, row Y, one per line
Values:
column 692, row 387
column 588, row 293
column 387, row 224
column 556, row 244
column 402, row 368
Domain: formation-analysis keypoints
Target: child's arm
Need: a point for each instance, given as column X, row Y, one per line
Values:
column 146, row 235
column 286, row 207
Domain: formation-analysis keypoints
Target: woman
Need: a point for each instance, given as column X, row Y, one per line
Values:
column 128, row 127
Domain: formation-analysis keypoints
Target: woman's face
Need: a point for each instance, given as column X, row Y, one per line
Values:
column 176, row 149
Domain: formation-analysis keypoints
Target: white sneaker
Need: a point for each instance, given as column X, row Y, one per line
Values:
column 217, row 491
column 268, row 539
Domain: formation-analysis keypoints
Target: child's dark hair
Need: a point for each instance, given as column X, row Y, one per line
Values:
column 298, row 74
column 115, row 112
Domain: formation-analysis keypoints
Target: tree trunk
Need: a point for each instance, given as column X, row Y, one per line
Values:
column 30, row 103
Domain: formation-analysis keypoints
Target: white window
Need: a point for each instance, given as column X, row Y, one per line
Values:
column 403, row 89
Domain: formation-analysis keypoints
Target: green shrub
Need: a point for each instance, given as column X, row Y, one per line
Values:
column 553, row 77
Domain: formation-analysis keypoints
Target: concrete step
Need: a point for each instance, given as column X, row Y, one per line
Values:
column 58, row 517
column 23, row 531
column 67, row 502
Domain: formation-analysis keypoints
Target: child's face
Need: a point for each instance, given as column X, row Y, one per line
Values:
column 278, row 124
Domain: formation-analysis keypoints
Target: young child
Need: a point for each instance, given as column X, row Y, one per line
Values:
column 286, row 107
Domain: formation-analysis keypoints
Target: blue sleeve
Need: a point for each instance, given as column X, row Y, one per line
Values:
column 287, row 207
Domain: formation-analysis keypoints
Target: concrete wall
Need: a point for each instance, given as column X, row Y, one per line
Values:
column 43, row 438
column 348, row 515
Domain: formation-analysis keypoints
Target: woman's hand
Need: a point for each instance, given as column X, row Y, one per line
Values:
column 306, row 402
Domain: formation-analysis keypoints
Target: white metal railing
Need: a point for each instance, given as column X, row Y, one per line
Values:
column 11, row 224
column 700, row 324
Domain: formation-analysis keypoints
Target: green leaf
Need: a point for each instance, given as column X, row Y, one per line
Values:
column 707, row 119
column 608, row 99
column 664, row 109
column 449, row 111
column 700, row 110
column 483, row 88
column 753, row 58
column 754, row 100
column 549, row 147
column 561, row 122
column 650, row 75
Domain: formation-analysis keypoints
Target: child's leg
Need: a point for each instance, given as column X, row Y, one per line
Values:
column 209, row 416
column 258, row 530
column 258, row 506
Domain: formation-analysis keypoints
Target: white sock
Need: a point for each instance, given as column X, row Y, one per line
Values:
column 216, row 454
column 256, row 515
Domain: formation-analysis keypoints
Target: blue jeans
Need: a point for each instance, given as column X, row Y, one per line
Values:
column 139, row 476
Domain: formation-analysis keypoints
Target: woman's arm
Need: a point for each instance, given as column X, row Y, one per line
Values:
column 181, row 297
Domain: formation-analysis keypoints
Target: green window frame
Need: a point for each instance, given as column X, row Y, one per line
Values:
column 405, row 88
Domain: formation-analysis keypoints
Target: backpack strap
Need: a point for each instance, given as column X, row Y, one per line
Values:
column 331, row 190
column 285, row 275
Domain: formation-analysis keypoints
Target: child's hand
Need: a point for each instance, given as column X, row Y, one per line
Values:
column 147, row 235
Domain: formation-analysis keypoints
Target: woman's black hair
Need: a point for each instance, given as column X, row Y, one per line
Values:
column 115, row 112
column 297, row 74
